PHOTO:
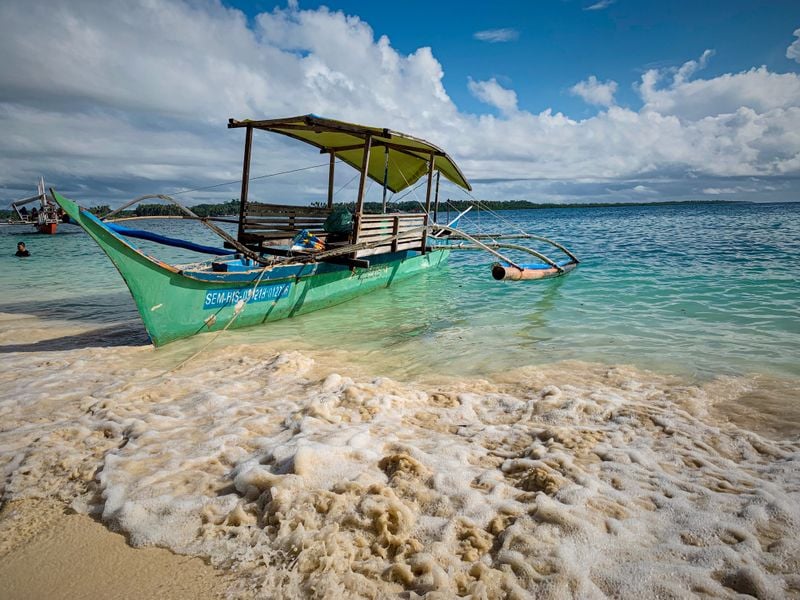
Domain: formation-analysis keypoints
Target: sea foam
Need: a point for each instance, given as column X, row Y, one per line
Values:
column 312, row 480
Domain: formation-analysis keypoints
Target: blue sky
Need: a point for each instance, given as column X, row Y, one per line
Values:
column 560, row 42
column 548, row 100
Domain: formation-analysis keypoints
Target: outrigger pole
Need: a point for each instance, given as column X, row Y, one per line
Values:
column 192, row 215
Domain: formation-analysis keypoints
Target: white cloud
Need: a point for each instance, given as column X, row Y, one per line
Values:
column 793, row 51
column 494, row 94
column 600, row 5
column 757, row 89
column 133, row 96
column 729, row 191
column 496, row 35
column 690, row 67
column 595, row 92
column 165, row 102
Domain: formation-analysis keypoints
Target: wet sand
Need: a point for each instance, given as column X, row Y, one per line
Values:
column 48, row 553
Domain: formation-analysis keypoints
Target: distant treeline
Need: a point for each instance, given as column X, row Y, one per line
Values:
column 170, row 210
column 460, row 205
column 232, row 207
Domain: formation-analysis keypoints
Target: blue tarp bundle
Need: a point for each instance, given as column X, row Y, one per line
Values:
column 167, row 241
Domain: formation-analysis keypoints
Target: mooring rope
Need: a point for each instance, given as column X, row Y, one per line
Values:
column 211, row 187
column 413, row 189
column 237, row 310
column 485, row 207
column 346, row 184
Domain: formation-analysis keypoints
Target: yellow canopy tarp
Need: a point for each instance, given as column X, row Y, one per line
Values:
column 408, row 156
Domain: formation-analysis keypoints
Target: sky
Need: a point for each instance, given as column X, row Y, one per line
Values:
column 559, row 101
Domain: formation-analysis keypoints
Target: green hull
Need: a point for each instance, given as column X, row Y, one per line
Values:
column 175, row 304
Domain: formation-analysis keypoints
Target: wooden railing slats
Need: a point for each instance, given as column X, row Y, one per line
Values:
column 273, row 221
column 390, row 227
column 272, row 224
column 261, row 209
column 378, row 217
column 376, row 235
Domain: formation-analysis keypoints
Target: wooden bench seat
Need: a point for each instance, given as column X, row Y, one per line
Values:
column 277, row 224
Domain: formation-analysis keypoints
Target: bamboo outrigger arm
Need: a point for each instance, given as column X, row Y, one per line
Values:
column 116, row 211
column 476, row 245
column 509, row 269
column 539, row 255
column 527, row 236
column 488, row 248
column 220, row 232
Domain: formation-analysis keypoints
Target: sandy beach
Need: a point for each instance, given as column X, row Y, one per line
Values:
column 51, row 552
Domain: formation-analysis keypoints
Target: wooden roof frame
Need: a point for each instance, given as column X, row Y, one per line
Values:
column 422, row 153
column 385, row 137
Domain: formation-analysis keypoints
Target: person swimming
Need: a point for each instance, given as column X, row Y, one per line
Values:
column 21, row 250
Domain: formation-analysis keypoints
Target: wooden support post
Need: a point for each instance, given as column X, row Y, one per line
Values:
column 395, row 231
column 436, row 201
column 424, row 235
column 362, row 182
column 248, row 144
column 385, row 178
column 330, row 180
column 430, row 183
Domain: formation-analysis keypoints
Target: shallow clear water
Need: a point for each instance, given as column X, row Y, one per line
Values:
column 630, row 430
column 696, row 290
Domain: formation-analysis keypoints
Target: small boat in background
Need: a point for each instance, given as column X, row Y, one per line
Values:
column 287, row 260
column 44, row 217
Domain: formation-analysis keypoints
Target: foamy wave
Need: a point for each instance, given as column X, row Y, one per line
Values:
column 567, row 480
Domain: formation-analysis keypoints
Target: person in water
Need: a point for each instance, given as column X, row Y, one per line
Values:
column 21, row 250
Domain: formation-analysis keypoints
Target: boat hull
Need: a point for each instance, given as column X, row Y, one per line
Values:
column 176, row 304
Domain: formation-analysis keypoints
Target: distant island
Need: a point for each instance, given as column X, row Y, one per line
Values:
column 232, row 207
column 460, row 205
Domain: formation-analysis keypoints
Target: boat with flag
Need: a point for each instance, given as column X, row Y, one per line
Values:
column 286, row 260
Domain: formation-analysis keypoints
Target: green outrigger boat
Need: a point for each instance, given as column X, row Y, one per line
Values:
column 267, row 273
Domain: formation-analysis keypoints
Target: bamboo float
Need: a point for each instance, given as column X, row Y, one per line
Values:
column 509, row 270
column 503, row 272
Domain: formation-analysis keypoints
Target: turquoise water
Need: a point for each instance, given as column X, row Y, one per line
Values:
column 647, row 448
column 698, row 290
